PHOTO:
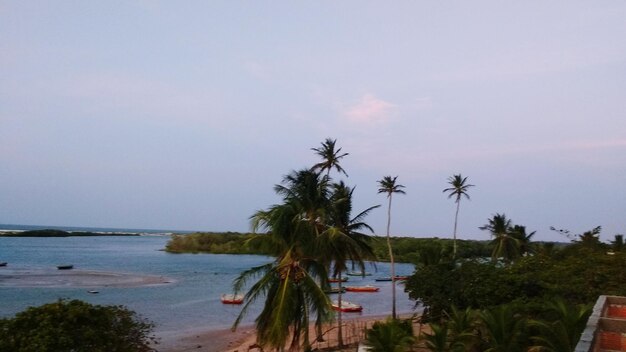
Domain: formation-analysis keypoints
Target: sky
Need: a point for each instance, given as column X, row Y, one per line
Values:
column 184, row 115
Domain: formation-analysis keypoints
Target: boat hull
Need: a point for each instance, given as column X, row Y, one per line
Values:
column 362, row 289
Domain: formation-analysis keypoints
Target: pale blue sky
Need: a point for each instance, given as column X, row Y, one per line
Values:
column 183, row 115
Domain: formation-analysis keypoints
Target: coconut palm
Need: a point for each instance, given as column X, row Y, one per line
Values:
column 290, row 283
column 524, row 240
column 330, row 157
column 343, row 242
column 458, row 189
column 388, row 185
column 504, row 245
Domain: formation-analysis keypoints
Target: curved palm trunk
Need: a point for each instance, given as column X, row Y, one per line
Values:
column 393, row 268
column 456, row 217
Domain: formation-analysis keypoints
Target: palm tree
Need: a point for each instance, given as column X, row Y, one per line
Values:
column 290, row 283
column 563, row 332
column 390, row 336
column 459, row 189
column 330, row 157
column 503, row 329
column 504, row 245
column 524, row 240
column 388, row 185
column 343, row 242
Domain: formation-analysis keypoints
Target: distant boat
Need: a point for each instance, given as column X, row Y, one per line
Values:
column 65, row 267
column 358, row 273
column 231, row 298
column 388, row 278
column 334, row 279
column 3, row 263
column 335, row 290
column 366, row 288
column 347, row 306
column 93, row 291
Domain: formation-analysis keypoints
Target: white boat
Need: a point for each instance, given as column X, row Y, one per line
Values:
column 347, row 306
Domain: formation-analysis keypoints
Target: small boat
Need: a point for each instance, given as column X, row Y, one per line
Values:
column 65, row 267
column 334, row 279
column 384, row 278
column 347, row 306
column 231, row 298
column 335, row 290
column 3, row 263
column 366, row 288
column 358, row 273
column 93, row 292
column 388, row 278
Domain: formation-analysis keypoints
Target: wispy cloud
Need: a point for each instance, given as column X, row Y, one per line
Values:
column 370, row 110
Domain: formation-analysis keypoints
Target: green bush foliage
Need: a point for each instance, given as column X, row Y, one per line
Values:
column 75, row 326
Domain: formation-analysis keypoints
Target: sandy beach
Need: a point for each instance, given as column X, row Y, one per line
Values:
column 76, row 278
column 244, row 339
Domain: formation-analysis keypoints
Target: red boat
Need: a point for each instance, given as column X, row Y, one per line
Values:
column 367, row 288
column 347, row 306
column 231, row 299
column 334, row 279
column 401, row 277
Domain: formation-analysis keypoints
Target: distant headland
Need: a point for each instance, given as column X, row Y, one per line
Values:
column 60, row 233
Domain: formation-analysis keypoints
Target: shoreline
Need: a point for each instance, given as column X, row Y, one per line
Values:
column 244, row 338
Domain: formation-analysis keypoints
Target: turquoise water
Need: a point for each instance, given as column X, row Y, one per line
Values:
column 191, row 302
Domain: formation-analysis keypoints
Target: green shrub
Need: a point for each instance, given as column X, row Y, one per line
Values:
column 75, row 326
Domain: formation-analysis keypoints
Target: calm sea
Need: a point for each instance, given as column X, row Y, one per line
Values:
column 191, row 302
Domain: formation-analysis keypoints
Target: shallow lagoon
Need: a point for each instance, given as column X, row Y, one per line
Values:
column 190, row 301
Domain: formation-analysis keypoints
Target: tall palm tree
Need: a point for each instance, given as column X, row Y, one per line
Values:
column 290, row 283
column 458, row 189
column 504, row 245
column 330, row 157
column 388, row 185
column 344, row 241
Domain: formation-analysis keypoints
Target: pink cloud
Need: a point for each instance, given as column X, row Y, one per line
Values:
column 370, row 110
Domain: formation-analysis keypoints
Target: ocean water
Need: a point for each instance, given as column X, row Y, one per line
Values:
column 191, row 302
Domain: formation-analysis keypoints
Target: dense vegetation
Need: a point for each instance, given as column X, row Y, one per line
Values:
column 59, row 233
column 216, row 243
column 75, row 326
column 405, row 249
column 538, row 301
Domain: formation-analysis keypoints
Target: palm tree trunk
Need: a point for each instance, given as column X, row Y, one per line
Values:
column 393, row 269
column 456, row 217
column 339, row 322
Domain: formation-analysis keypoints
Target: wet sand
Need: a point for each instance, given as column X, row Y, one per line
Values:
column 76, row 278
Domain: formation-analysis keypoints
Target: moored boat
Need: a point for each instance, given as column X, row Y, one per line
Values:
column 366, row 288
column 334, row 279
column 65, row 267
column 358, row 273
column 347, row 306
column 229, row 298
column 384, row 278
column 335, row 290
column 401, row 278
